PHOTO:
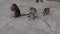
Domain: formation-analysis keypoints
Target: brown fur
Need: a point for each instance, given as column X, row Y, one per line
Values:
column 46, row 11
column 16, row 10
column 33, row 13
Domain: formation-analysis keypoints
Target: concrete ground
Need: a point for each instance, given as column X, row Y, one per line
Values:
column 49, row 24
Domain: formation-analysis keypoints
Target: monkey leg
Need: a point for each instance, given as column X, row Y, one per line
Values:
column 46, row 13
column 16, row 15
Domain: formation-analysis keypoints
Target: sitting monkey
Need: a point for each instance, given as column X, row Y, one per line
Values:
column 46, row 11
column 32, row 13
column 16, row 10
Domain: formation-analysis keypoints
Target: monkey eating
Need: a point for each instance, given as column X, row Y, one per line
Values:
column 16, row 10
column 32, row 13
column 46, row 11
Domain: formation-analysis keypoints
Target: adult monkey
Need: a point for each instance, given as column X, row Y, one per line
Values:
column 32, row 13
column 16, row 10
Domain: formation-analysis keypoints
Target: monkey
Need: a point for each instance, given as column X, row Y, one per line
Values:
column 32, row 13
column 46, row 11
column 15, row 9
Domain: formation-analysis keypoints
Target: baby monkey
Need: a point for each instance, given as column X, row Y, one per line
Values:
column 46, row 11
column 32, row 13
column 16, row 10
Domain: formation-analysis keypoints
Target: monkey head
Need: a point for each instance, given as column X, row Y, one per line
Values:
column 13, row 7
column 32, row 9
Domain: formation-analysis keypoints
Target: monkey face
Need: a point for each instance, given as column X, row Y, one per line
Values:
column 12, row 8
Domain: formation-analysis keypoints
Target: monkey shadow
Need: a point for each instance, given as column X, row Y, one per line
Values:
column 21, row 15
column 24, row 14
